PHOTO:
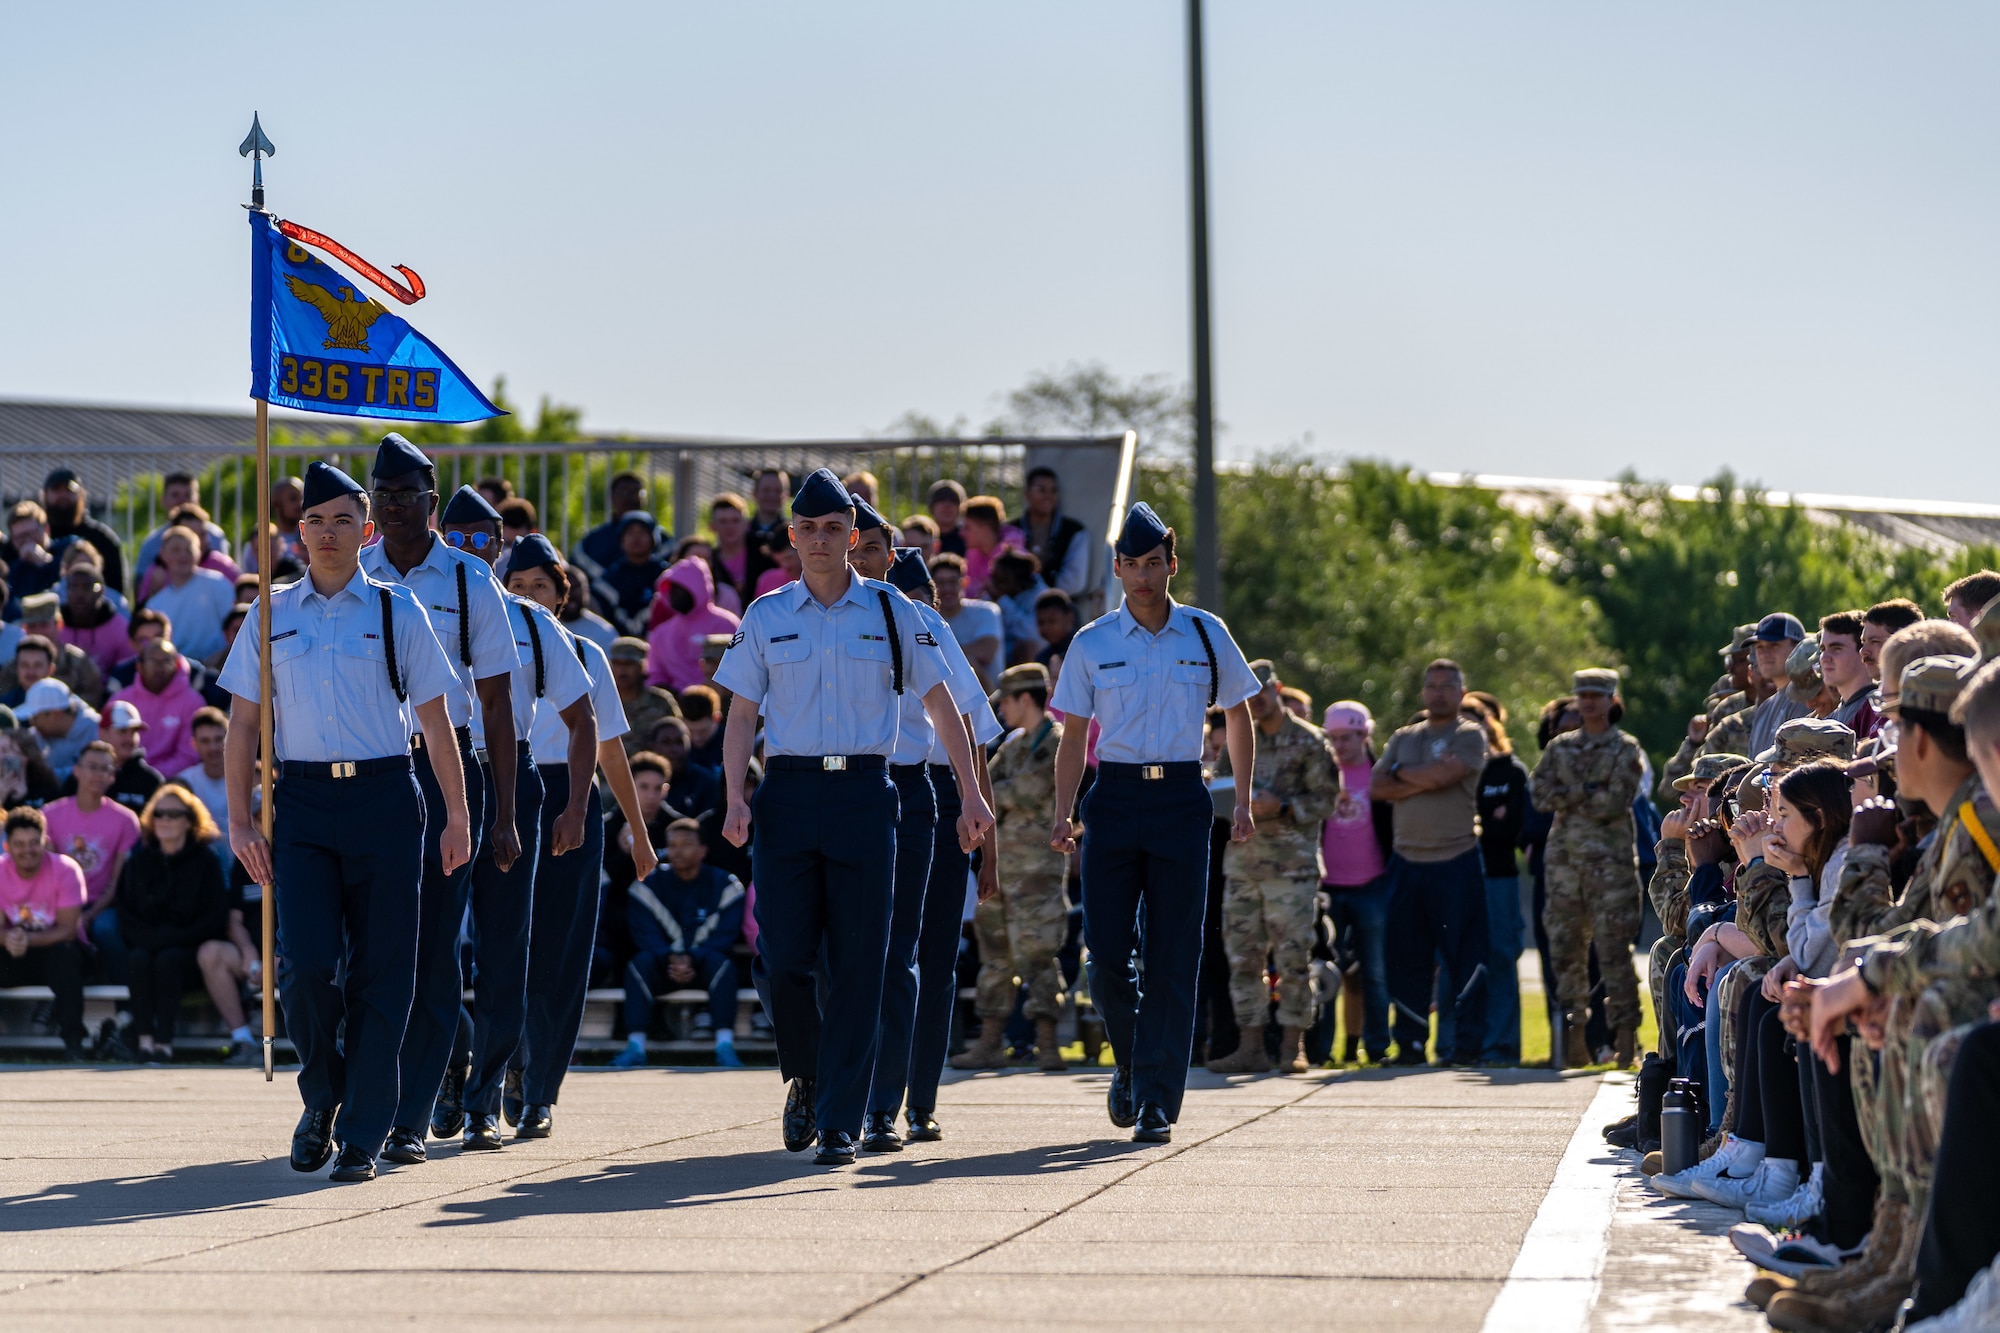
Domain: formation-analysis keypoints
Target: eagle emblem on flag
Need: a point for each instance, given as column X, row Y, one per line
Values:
column 347, row 319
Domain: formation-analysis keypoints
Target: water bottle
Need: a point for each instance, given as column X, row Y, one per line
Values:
column 1680, row 1127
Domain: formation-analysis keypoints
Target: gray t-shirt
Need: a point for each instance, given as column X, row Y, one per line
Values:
column 1437, row 825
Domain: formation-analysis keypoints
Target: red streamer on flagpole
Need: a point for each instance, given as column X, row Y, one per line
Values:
column 319, row 240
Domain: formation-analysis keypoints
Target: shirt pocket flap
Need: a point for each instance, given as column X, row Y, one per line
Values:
column 290, row 648
column 870, row 648
column 367, row 645
column 1114, row 677
column 1189, row 673
column 789, row 650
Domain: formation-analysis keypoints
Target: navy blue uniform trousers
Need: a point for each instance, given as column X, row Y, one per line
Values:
column 937, row 945
column 915, row 829
column 823, row 853
column 501, row 903
column 562, row 933
column 1145, row 846
column 433, row 1026
column 347, row 854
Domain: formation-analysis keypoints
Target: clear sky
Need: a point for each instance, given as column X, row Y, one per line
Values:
column 1548, row 239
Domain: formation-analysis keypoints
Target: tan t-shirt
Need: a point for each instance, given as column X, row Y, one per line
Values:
column 1437, row 825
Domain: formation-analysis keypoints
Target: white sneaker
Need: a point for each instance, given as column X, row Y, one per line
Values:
column 1773, row 1181
column 1978, row 1311
column 1736, row 1157
column 1804, row 1204
column 1792, row 1253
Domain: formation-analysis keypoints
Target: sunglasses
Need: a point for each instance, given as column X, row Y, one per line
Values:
column 399, row 499
column 169, row 812
column 478, row 541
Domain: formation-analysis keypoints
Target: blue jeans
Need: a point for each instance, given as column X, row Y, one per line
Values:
column 1503, row 962
column 1438, row 907
column 1718, row 1074
column 1361, row 925
column 112, row 954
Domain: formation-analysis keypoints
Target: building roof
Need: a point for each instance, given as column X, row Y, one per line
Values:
column 43, row 426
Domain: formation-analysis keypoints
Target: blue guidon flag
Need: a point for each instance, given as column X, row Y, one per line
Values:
column 320, row 343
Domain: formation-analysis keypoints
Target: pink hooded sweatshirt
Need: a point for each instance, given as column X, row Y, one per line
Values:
column 675, row 659
column 169, row 738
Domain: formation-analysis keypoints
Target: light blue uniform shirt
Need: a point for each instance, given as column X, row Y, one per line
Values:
column 917, row 741
column 330, row 669
column 434, row 580
column 822, row 674
column 1149, row 692
column 563, row 680
column 548, row 738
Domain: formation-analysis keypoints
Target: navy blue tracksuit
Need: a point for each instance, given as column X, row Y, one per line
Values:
column 701, row 918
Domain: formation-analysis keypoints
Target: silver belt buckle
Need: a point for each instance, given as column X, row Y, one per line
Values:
column 344, row 768
column 833, row 763
column 1152, row 772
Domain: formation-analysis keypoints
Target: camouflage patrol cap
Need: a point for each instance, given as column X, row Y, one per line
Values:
column 1986, row 629
column 1805, row 738
column 1026, row 676
column 1802, row 666
column 1709, row 767
column 1740, row 641
column 713, row 646
column 1264, row 670
column 1595, row 680
column 627, row 649
column 1933, row 684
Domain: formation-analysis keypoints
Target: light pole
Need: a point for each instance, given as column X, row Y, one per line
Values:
column 1207, row 547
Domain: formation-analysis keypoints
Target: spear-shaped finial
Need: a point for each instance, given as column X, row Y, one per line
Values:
column 257, row 146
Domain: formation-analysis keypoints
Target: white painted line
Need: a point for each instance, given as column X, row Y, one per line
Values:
column 1554, row 1281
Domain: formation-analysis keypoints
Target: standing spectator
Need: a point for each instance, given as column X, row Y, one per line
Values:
column 89, row 622
column 579, row 619
column 598, row 549
column 41, row 897
column 983, row 522
column 1355, row 845
column 1777, row 634
column 1503, row 813
column 1967, row 597
column 737, row 562
column 1844, row 672
column 624, row 591
column 67, row 505
column 209, row 728
column 771, row 489
column 193, row 598
column 946, row 498
column 134, row 780
column 1015, row 581
column 645, row 705
column 168, row 701
column 1055, row 625
column 701, row 709
column 98, row 834
column 41, row 626
column 34, row 567
column 920, row 531
column 171, row 902
column 1060, row 542
column 1437, row 883
column 64, row 723
column 178, row 490
column 974, row 623
column 674, row 659
column 1587, row 778
column 686, row 918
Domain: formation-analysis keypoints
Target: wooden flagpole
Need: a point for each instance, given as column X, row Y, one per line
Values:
column 265, row 715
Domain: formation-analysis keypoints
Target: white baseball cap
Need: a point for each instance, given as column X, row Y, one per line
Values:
column 124, row 715
column 47, row 695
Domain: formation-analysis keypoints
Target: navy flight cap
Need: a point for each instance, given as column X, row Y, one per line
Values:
column 909, row 572
column 1780, row 627
column 469, row 506
column 533, row 552
column 326, row 482
column 1142, row 532
column 396, row 457
column 822, row 494
column 866, row 517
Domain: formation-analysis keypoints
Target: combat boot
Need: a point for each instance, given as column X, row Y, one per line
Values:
column 1292, row 1051
column 1048, row 1050
column 1576, row 1050
column 1864, row 1305
column 1247, row 1058
column 1624, row 1047
column 1885, row 1238
column 989, row 1051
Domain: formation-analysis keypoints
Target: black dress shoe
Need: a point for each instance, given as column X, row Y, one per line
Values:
column 405, row 1147
column 312, row 1141
column 801, row 1118
column 878, row 1132
column 1119, row 1100
column 353, row 1167
column 537, row 1118
column 924, row 1127
column 448, row 1114
column 482, row 1133
column 836, row 1148
column 1153, row 1126
column 510, row 1097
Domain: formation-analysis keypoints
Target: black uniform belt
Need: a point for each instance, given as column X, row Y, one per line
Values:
column 941, row 771
column 1187, row 768
column 464, row 735
column 349, row 768
column 520, row 749
column 826, row 763
column 911, row 770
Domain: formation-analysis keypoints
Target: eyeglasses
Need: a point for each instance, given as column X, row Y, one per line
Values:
column 399, row 499
column 170, row 812
column 1892, row 733
column 478, row 541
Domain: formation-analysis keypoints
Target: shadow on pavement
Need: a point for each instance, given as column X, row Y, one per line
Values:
column 211, row 1187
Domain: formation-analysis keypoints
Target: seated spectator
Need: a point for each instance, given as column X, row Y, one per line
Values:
column 178, row 490
column 1055, row 625
column 712, row 649
column 40, row 628
column 674, row 659
column 217, row 561
column 974, row 623
column 171, row 902
column 701, row 709
column 10, row 630
column 781, row 562
column 236, row 961
column 1882, row 620
column 737, row 562
column 1845, row 673
column 497, row 490
column 134, row 780
column 645, row 705
column 577, row 616
column 97, row 834
column 193, row 598
column 145, row 625
column 25, row 778
column 79, row 551
column 946, row 498
column 1060, row 542
column 63, row 722
column 692, row 789
column 67, row 505
column 598, row 549
column 232, row 624
column 168, row 701
column 281, row 547
column 623, row 593
column 771, row 490
column 1015, row 581
column 1964, row 599
column 693, row 548
column 920, row 531
column 34, row 567
column 209, row 730
column 41, row 898
column 649, row 780
column 89, row 622
column 983, row 521
column 685, row 918
column 726, row 856
column 517, row 520
column 862, row 485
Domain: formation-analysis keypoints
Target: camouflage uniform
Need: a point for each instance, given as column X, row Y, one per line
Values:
column 1669, row 891
column 1270, row 901
column 1589, row 782
column 644, row 711
column 1730, row 734
column 1022, row 928
column 1723, row 700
